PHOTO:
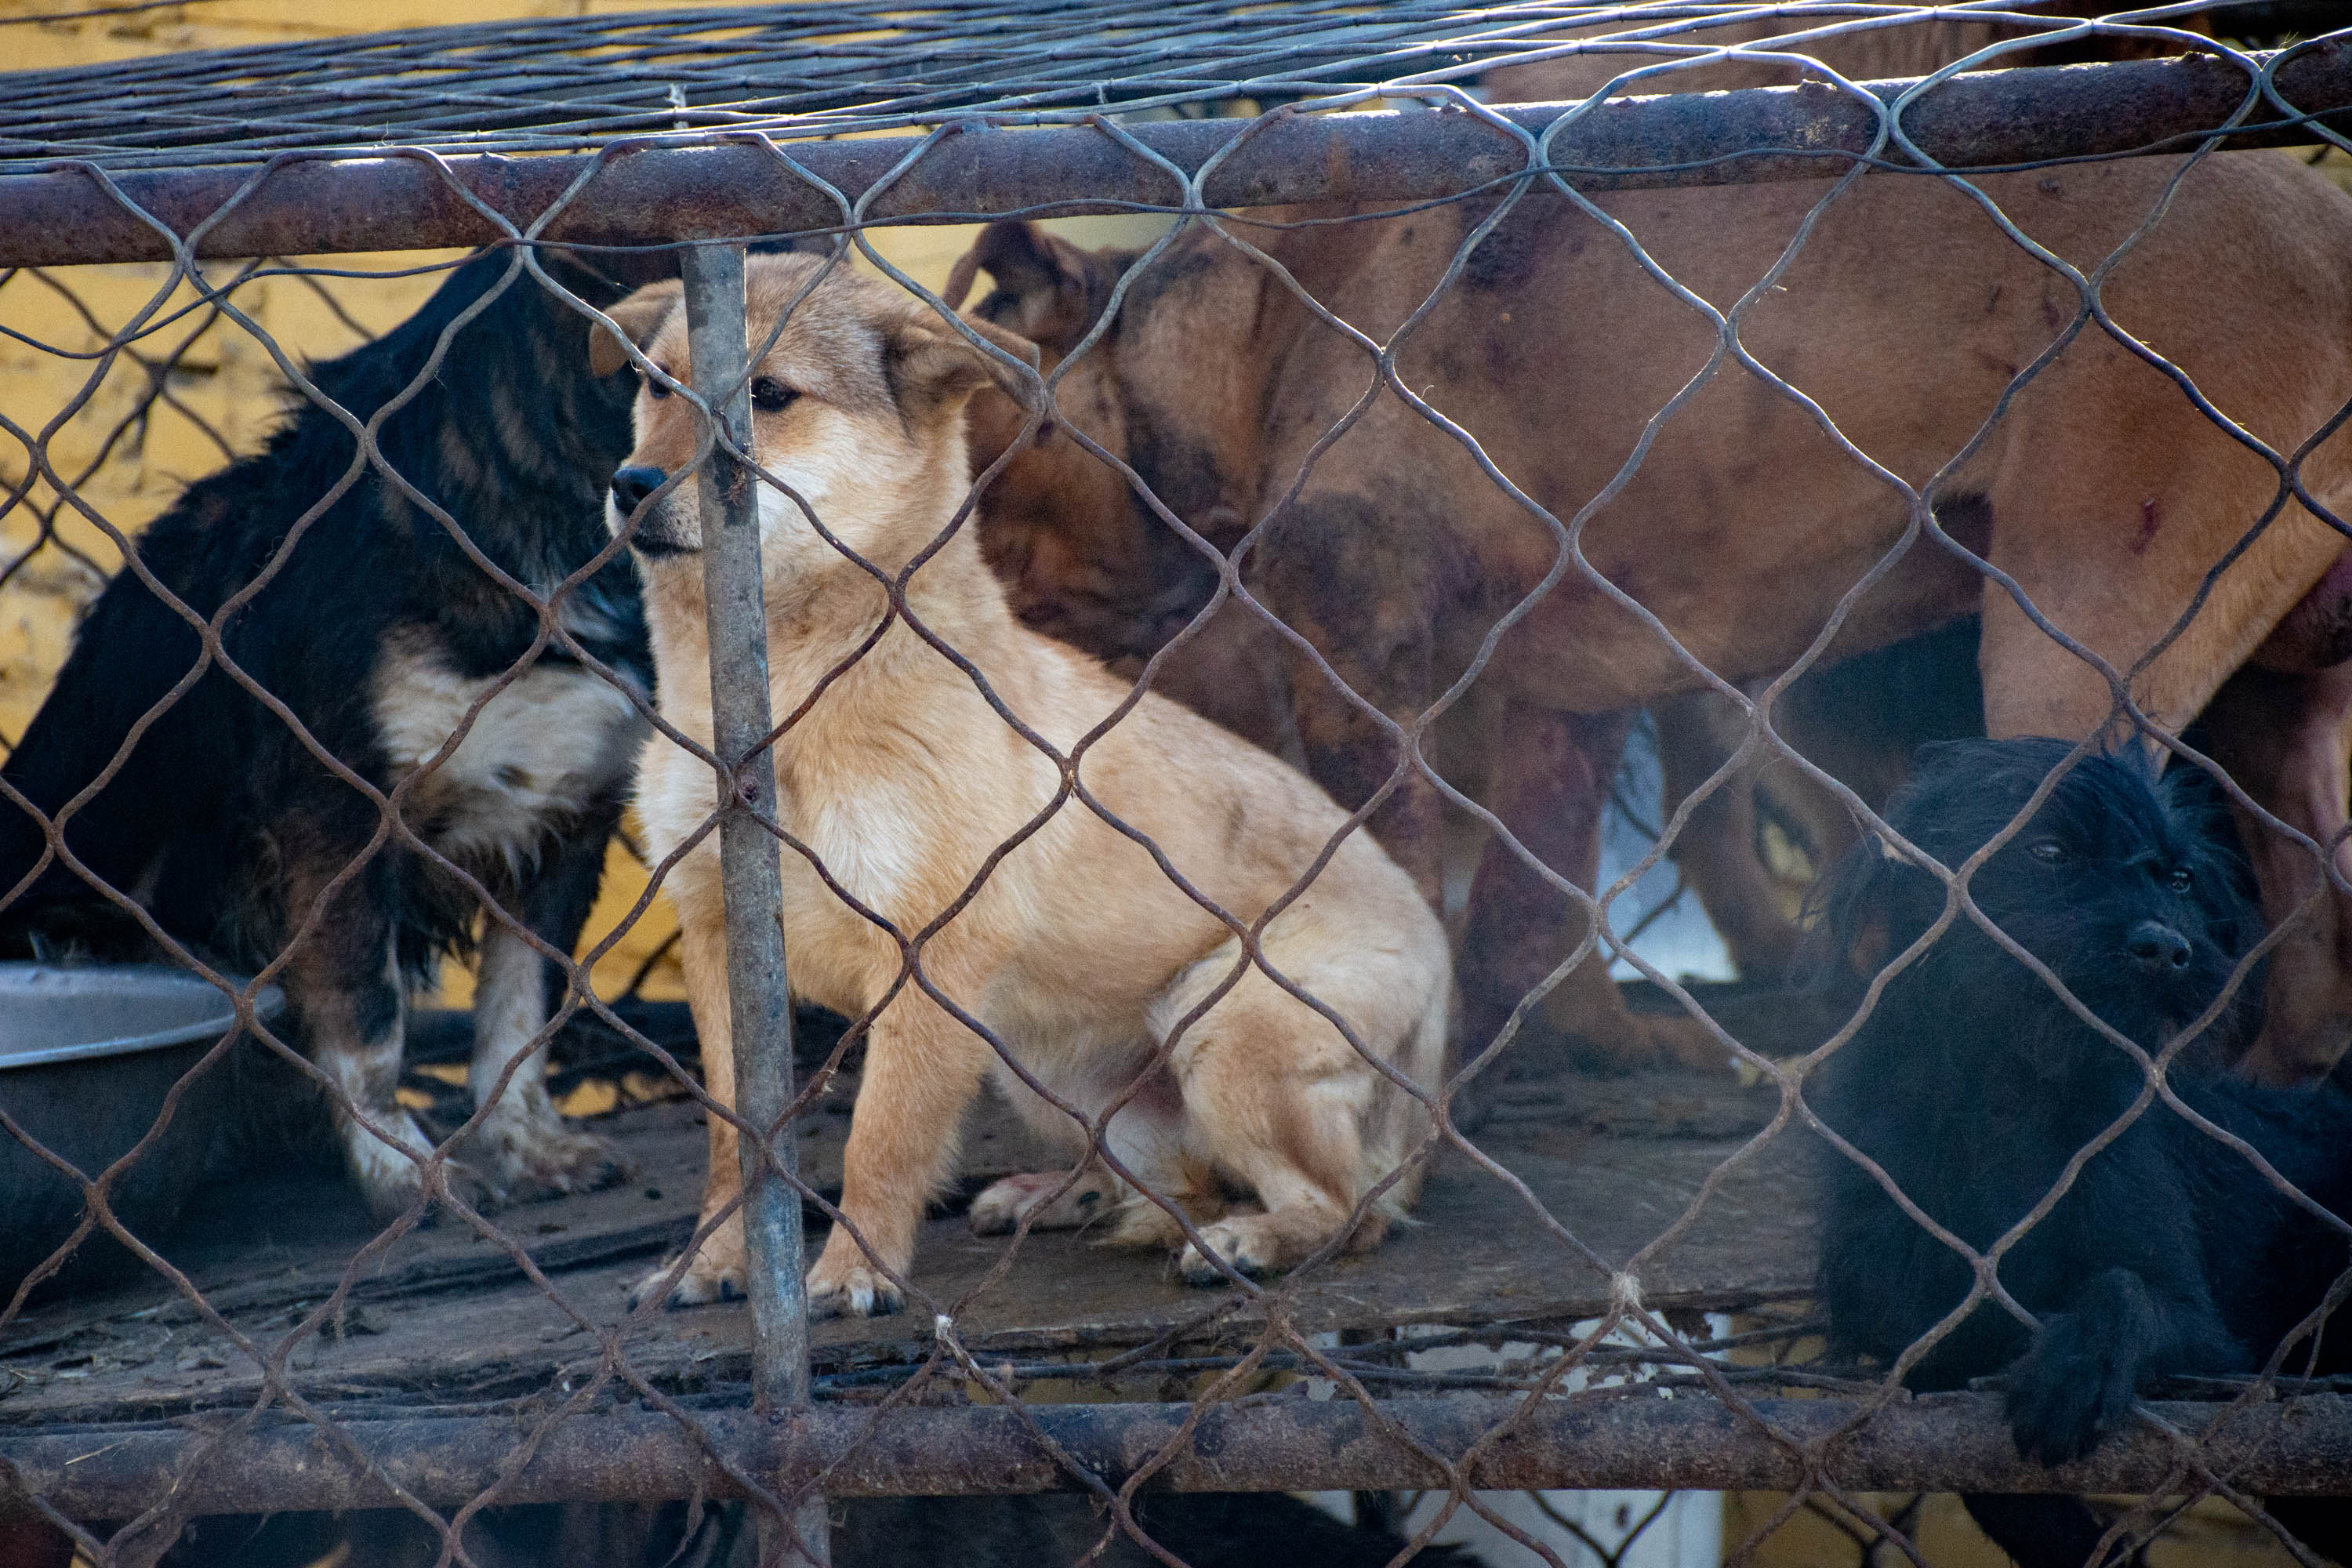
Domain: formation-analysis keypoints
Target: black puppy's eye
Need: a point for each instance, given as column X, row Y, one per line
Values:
column 2049, row 851
column 770, row 396
column 2179, row 880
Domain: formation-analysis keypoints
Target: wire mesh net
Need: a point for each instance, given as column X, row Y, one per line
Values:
column 1163, row 700
column 569, row 83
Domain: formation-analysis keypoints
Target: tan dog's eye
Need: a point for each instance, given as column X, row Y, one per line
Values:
column 655, row 388
column 771, row 397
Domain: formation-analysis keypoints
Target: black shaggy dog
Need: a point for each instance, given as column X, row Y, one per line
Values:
column 1973, row 1084
column 379, row 633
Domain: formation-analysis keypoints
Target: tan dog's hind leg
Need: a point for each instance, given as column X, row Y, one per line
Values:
column 1146, row 1138
column 923, row 1069
column 716, row 1271
column 1275, row 1097
column 1000, row 1209
column 1288, row 1123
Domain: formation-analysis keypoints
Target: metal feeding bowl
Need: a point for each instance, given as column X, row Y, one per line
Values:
column 88, row 1057
column 53, row 1015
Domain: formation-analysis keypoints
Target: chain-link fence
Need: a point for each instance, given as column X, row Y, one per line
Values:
column 1164, row 703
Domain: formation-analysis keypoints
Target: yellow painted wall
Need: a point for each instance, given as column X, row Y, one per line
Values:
column 223, row 390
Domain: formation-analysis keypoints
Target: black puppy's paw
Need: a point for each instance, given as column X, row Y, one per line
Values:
column 2069, row 1391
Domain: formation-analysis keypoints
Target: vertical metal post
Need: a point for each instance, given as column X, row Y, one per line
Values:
column 759, row 1008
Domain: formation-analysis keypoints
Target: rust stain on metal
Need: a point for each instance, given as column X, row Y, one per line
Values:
column 654, row 195
column 2296, row 1446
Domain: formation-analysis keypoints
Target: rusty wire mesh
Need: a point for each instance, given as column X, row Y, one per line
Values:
column 1589, row 1299
column 563, row 84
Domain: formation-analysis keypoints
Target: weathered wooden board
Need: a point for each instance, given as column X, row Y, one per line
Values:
column 443, row 1315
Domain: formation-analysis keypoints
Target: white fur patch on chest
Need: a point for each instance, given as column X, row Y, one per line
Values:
column 867, row 842
column 543, row 747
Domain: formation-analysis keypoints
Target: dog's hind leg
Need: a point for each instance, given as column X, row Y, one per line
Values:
column 1550, row 786
column 528, row 1148
column 1291, row 1130
column 2113, row 541
column 2149, row 521
column 1276, row 1099
column 2282, row 738
column 1717, row 853
column 345, row 984
column 1033, row 1196
column 1146, row 1140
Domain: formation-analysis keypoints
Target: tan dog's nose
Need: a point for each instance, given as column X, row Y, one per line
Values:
column 652, row 536
column 633, row 484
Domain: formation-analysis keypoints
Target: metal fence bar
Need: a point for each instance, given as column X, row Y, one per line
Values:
column 759, row 1008
column 1642, row 1443
column 321, row 205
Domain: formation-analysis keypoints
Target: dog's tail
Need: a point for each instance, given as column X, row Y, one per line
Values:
column 131, row 649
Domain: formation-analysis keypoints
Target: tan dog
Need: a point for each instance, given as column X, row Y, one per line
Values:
column 2100, row 488
column 1077, row 953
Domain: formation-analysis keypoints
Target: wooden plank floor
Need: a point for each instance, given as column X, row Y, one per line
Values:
column 443, row 1315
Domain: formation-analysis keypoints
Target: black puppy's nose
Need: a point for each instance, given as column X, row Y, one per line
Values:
column 632, row 485
column 2156, row 947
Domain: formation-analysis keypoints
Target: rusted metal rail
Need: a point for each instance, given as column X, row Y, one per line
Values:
column 652, row 194
column 1943, row 1442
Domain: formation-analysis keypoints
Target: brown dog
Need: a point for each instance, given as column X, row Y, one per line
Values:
column 2100, row 488
column 1083, row 958
column 1911, row 48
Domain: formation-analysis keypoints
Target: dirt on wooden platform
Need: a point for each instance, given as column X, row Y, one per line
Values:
column 449, row 1315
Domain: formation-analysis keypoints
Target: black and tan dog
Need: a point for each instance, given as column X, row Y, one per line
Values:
column 379, row 631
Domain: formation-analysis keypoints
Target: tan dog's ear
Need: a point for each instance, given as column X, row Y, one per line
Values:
column 1047, row 289
column 642, row 316
column 929, row 361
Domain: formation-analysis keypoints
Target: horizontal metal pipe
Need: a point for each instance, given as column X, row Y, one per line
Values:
column 1956, row 1442
column 315, row 205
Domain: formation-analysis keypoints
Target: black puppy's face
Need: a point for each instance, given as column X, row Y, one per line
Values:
column 2121, row 883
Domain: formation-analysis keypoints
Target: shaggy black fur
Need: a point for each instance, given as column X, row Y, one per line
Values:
column 222, row 824
column 512, row 439
column 1973, row 1084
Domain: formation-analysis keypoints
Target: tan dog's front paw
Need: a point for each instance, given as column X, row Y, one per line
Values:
column 715, row 1275
column 845, row 1285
